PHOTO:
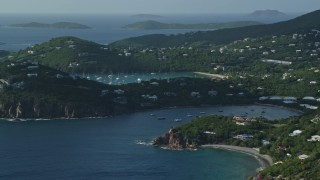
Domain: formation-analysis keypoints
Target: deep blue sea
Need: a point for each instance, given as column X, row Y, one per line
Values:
column 105, row 28
column 107, row 148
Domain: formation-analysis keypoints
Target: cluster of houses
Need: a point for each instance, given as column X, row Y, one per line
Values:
column 243, row 137
column 314, row 138
column 300, row 44
column 293, row 100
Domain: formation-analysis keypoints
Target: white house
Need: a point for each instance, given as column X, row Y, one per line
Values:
column 308, row 106
column 32, row 74
column 31, row 52
column 209, row 132
column 290, row 100
column 119, row 91
column 263, row 98
column 309, row 98
column 276, row 98
column 303, row 156
column 195, row 94
column 295, row 133
column 244, row 137
column 314, row 138
column 154, row 83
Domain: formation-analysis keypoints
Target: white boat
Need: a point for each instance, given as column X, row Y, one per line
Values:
column 177, row 120
column 141, row 142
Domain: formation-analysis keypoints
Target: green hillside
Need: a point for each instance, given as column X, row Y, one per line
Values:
column 158, row 25
column 72, row 54
column 299, row 24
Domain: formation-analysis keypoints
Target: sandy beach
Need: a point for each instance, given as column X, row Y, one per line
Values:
column 264, row 160
column 215, row 76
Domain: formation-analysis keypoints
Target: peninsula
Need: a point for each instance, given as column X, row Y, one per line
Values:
column 57, row 25
column 158, row 25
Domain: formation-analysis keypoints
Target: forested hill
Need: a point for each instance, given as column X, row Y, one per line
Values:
column 158, row 25
column 299, row 24
column 70, row 54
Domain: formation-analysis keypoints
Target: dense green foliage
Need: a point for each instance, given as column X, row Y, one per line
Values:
column 72, row 54
column 29, row 91
column 224, row 128
column 59, row 25
column 158, row 25
column 282, row 147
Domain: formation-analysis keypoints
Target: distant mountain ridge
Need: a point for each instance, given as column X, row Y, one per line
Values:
column 146, row 16
column 300, row 24
column 267, row 13
column 59, row 25
column 158, row 25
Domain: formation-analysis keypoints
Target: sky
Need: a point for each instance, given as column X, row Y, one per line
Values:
column 154, row 6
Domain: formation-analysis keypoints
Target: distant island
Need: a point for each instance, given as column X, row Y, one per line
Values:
column 158, row 25
column 267, row 13
column 58, row 25
column 146, row 16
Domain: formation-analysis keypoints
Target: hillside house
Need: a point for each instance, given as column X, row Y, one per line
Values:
column 104, row 92
column 308, row 106
column 315, row 138
column 119, row 91
column 309, row 98
column 209, row 132
column 32, row 75
column 154, row 84
column 243, row 137
column 263, row 98
column 276, row 98
column 31, row 52
column 303, row 157
column 295, row 133
column 195, row 94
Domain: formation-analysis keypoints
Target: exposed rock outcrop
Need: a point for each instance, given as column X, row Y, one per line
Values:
column 44, row 109
column 173, row 140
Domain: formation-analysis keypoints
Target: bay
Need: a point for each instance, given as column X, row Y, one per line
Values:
column 107, row 148
column 117, row 79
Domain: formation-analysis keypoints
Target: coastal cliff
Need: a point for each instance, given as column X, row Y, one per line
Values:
column 25, row 109
column 173, row 140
